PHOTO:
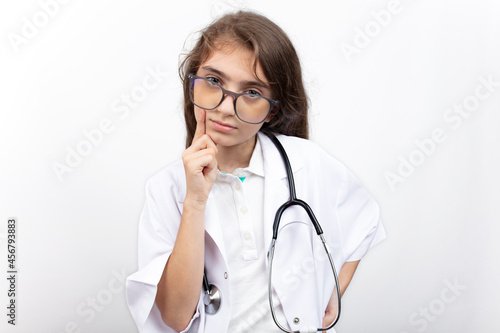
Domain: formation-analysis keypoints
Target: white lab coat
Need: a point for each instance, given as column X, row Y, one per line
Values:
column 347, row 213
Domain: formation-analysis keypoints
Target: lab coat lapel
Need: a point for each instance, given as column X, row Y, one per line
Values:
column 276, row 190
column 213, row 225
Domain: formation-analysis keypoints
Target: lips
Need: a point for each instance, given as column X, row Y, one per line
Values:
column 220, row 126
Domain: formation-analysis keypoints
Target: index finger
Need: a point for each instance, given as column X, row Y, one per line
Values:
column 200, row 124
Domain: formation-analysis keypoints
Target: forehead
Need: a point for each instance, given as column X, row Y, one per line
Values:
column 235, row 60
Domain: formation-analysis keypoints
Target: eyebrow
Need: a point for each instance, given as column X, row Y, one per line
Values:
column 244, row 83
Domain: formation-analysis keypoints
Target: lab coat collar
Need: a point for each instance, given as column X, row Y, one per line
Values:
column 256, row 165
column 273, row 162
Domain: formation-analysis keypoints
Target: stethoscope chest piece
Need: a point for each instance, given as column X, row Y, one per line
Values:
column 212, row 300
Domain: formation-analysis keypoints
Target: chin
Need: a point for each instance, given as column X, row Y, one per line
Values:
column 219, row 138
column 228, row 140
column 224, row 142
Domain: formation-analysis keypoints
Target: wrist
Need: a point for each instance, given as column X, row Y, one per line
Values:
column 195, row 205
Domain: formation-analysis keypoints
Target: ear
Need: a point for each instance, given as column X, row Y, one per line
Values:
column 273, row 112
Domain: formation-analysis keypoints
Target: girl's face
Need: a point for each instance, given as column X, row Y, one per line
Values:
column 231, row 67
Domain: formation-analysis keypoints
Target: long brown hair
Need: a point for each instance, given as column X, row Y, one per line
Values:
column 273, row 50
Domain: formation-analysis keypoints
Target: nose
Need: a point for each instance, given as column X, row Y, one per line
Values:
column 227, row 105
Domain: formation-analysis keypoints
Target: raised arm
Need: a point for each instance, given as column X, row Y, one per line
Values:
column 180, row 284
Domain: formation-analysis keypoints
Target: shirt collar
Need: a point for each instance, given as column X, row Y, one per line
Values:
column 256, row 165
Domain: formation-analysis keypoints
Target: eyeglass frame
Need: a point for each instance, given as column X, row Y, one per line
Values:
column 272, row 103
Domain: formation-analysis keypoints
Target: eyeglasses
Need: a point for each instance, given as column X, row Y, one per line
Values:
column 208, row 95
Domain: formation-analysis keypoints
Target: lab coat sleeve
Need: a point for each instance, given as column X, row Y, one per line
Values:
column 359, row 219
column 158, row 226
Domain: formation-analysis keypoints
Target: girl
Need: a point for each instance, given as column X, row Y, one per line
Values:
column 213, row 210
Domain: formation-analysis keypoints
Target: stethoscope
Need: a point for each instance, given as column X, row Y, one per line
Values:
column 212, row 298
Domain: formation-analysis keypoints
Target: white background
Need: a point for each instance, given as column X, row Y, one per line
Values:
column 77, row 236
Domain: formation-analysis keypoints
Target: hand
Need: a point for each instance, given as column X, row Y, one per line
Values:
column 331, row 310
column 200, row 163
column 330, row 314
column 345, row 276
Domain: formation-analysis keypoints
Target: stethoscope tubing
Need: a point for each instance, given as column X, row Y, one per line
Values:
column 293, row 201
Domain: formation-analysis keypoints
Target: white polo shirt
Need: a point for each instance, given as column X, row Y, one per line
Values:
column 239, row 201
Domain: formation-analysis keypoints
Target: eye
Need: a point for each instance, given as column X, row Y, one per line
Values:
column 253, row 93
column 213, row 80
